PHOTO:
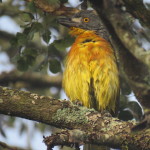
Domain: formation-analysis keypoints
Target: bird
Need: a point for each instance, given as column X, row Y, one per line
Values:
column 91, row 74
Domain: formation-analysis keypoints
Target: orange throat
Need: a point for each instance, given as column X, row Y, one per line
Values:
column 77, row 31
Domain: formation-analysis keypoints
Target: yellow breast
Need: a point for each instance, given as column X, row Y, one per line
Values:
column 91, row 73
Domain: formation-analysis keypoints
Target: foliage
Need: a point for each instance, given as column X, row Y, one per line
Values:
column 40, row 46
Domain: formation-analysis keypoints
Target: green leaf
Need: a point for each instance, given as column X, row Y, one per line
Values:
column 29, row 32
column 26, row 17
column 62, row 44
column 30, row 60
column 46, row 36
column 37, row 27
column 24, row 62
column 0, row 1
column 14, row 42
column 54, row 66
column 30, row 52
column 21, row 64
column 21, row 39
column 31, row 6
column 27, row 59
column 54, row 52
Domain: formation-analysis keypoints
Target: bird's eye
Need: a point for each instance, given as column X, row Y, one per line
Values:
column 86, row 19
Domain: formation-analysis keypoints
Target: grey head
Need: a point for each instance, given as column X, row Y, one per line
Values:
column 87, row 20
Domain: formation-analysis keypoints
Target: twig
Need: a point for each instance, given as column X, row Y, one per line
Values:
column 29, row 79
column 7, row 147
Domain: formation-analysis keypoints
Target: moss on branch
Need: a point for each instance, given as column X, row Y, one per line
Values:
column 95, row 128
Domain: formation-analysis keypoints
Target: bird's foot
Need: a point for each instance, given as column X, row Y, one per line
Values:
column 78, row 102
column 106, row 113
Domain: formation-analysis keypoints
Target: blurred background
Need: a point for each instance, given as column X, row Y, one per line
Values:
column 33, row 47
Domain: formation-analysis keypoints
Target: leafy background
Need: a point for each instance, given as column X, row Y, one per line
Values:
column 33, row 44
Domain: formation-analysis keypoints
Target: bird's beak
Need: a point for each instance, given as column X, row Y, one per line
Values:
column 67, row 22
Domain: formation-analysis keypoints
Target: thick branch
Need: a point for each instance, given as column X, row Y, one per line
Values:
column 12, row 11
column 57, row 9
column 78, row 137
column 29, row 79
column 4, row 146
column 122, row 27
column 6, row 36
column 94, row 127
column 138, row 10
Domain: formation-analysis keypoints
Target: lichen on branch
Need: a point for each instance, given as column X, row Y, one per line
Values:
column 95, row 128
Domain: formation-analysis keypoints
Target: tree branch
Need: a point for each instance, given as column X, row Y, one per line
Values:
column 93, row 127
column 6, row 36
column 30, row 79
column 12, row 11
column 57, row 9
column 78, row 137
column 4, row 146
column 138, row 10
column 125, row 33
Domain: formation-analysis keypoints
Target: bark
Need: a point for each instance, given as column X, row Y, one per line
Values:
column 138, row 10
column 30, row 79
column 84, row 125
column 57, row 9
column 6, row 36
column 4, row 146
